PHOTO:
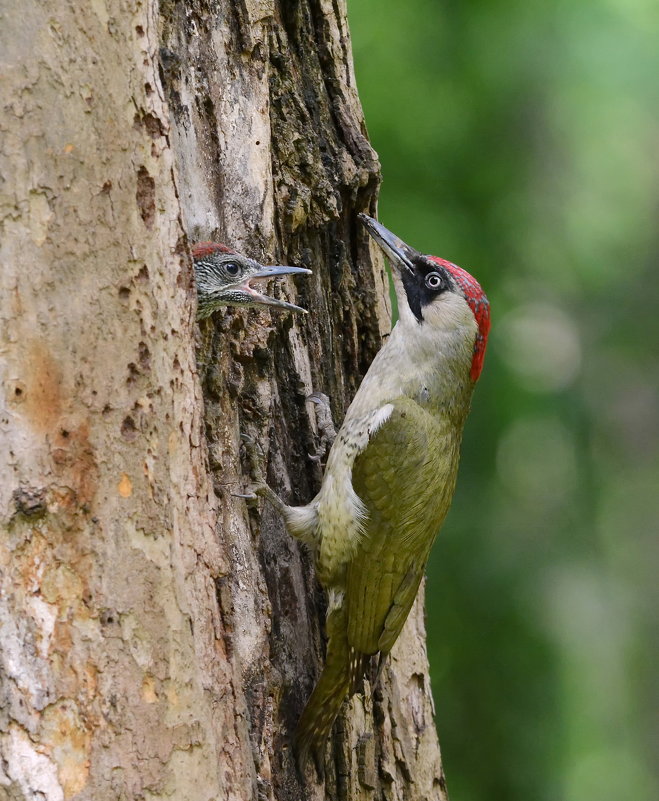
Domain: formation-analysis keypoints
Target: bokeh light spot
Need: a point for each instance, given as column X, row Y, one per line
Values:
column 541, row 343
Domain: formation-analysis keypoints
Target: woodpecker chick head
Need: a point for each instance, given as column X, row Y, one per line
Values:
column 435, row 293
column 224, row 277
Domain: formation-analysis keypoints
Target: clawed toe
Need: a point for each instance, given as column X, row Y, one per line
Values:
column 325, row 424
column 255, row 456
column 319, row 398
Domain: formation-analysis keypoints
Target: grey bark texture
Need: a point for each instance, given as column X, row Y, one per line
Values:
column 158, row 637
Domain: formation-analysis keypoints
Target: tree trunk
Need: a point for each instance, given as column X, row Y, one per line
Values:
column 158, row 637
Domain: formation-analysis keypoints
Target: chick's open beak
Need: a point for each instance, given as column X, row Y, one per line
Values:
column 271, row 271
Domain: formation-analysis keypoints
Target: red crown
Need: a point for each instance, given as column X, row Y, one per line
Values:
column 201, row 249
column 479, row 305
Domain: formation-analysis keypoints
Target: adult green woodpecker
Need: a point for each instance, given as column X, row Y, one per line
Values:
column 224, row 278
column 391, row 472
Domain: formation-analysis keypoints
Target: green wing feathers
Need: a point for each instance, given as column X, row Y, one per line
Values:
column 406, row 485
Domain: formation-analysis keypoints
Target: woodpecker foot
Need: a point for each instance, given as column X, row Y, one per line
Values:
column 263, row 490
column 254, row 453
column 258, row 487
column 325, row 425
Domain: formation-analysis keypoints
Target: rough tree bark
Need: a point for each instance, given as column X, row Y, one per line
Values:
column 158, row 637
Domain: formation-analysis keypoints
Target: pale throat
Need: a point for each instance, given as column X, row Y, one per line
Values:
column 428, row 361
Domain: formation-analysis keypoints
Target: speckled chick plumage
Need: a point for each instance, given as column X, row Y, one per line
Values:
column 391, row 472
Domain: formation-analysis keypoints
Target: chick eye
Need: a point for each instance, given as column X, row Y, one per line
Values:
column 232, row 268
column 433, row 280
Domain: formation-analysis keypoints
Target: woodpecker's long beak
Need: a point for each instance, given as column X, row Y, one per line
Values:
column 399, row 254
column 271, row 271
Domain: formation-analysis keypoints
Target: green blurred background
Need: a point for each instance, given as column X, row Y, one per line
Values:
column 520, row 139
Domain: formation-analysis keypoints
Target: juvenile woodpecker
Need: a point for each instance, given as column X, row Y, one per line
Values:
column 391, row 472
column 224, row 277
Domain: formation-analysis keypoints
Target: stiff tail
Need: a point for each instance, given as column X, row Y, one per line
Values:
column 343, row 668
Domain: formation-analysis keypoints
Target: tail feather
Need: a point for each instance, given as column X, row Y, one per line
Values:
column 318, row 717
column 343, row 668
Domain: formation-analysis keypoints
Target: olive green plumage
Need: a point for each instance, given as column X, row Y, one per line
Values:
column 403, row 520
column 382, row 578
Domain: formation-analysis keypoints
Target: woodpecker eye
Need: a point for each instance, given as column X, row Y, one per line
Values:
column 433, row 280
column 232, row 268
